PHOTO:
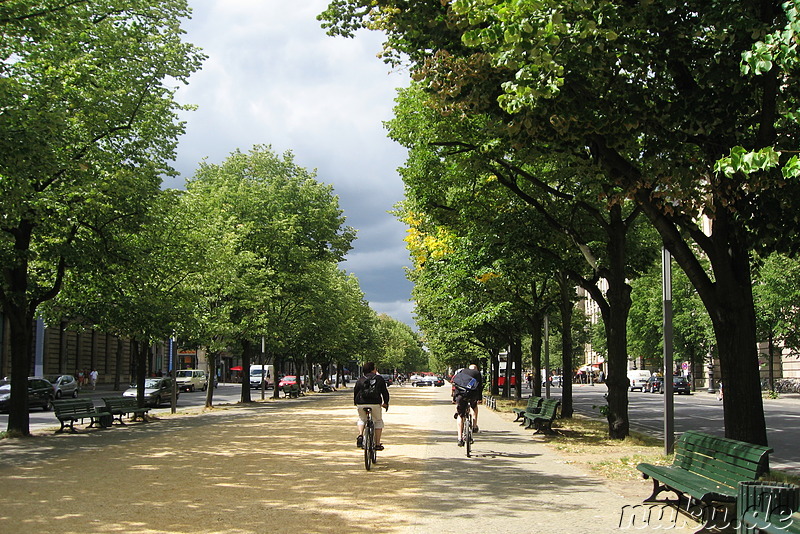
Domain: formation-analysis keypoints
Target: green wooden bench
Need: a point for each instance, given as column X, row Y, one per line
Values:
column 534, row 404
column 543, row 420
column 772, row 524
column 707, row 469
column 292, row 390
column 768, row 507
column 121, row 406
column 70, row 411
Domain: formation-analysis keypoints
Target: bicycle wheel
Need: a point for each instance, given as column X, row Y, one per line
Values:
column 468, row 434
column 369, row 444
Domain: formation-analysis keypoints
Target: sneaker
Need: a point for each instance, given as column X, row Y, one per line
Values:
column 461, row 443
column 360, row 442
column 379, row 447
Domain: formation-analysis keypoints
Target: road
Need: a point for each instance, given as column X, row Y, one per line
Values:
column 224, row 394
column 701, row 411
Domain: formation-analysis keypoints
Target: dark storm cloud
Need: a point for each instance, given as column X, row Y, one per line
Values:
column 273, row 77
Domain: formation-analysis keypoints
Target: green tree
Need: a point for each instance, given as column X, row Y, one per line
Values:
column 88, row 126
column 777, row 295
column 665, row 102
column 286, row 223
column 140, row 290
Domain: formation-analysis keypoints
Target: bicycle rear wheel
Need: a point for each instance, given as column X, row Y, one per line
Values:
column 369, row 445
column 468, row 434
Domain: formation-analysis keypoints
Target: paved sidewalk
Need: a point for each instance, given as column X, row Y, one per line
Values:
column 292, row 466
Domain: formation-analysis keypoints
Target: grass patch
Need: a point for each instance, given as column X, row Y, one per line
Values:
column 781, row 476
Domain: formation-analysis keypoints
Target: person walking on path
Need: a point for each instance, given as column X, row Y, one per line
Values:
column 371, row 392
column 93, row 378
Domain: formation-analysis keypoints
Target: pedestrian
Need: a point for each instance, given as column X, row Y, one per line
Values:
column 93, row 378
column 719, row 391
column 80, row 378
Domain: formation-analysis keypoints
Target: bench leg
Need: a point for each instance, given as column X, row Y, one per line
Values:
column 714, row 518
column 657, row 489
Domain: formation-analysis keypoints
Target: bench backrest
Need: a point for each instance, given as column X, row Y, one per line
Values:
column 549, row 408
column 722, row 460
column 67, row 406
column 120, row 402
column 534, row 402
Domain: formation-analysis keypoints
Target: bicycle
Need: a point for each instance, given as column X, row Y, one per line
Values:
column 468, row 432
column 370, row 454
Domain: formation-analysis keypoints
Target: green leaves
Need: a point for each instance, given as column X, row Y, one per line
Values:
column 748, row 162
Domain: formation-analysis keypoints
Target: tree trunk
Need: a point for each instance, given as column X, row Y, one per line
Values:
column 728, row 298
column 20, row 329
column 118, row 366
column 211, row 358
column 565, row 304
column 142, row 357
column 536, row 324
column 494, row 368
column 734, row 329
column 248, row 351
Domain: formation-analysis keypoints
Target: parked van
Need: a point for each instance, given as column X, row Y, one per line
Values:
column 191, row 379
column 637, row 378
column 259, row 372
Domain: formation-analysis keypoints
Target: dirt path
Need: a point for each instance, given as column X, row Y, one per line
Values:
column 292, row 466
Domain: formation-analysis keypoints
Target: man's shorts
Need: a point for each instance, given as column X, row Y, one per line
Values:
column 377, row 414
column 464, row 403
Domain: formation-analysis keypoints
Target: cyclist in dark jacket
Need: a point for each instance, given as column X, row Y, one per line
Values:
column 375, row 399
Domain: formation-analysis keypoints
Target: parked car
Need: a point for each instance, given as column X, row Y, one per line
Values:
column 681, row 386
column 157, row 391
column 40, row 394
column 191, row 379
column 289, row 380
column 63, row 385
column 388, row 379
column 653, row 384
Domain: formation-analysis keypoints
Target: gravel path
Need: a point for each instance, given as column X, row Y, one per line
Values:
column 292, row 466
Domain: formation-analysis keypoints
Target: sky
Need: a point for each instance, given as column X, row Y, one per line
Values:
column 274, row 77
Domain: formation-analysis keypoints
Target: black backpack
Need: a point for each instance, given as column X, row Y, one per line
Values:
column 370, row 392
column 369, row 388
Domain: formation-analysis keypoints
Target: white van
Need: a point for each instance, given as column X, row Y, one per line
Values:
column 637, row 378
column 259, row 371
column 191, row 379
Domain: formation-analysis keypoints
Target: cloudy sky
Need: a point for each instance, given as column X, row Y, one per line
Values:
column 274, row 77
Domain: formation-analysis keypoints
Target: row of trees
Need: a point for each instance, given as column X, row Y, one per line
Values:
column 250, row 251
column 563, row 134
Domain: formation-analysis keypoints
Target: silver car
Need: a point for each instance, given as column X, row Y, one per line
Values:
column 157, row 391
column 63, row 385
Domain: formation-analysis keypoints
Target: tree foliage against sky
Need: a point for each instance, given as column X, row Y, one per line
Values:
column 88, row 126
column 650, row 94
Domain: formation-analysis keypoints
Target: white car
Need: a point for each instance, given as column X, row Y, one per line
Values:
column 191, row 379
